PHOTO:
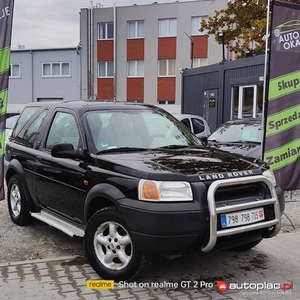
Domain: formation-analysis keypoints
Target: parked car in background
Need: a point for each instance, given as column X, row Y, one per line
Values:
column 195, row 124
column 241, row 136
column 9, row 125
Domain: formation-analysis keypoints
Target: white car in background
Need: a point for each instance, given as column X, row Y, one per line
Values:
column 9, row 126
column 195, row 124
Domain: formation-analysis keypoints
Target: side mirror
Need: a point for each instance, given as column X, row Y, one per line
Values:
column 66, row 150
column 204, row 141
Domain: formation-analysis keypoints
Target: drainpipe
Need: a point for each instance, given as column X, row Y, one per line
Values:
column 32, row 92
column 115, row 53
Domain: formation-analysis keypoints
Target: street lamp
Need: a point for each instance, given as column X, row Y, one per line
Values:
column 222, row 35
column 192, row 48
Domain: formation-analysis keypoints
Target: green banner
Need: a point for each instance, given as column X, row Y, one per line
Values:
column 282, row 114
column 284, row 85
column 6, row 20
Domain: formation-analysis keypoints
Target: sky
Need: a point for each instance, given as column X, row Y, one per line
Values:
column 40, row 24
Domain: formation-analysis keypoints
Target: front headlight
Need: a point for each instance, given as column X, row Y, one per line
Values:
column 270, row 175
column 151, row 190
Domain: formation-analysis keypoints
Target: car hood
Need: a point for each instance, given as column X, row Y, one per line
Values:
column 252, row 150
column 191, row 161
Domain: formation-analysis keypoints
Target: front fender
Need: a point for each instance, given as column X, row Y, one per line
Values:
column 15, row 168
column 104, row 191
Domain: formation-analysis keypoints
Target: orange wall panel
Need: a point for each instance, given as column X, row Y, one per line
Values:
column 135, row 89
column 105, row 88
column 167, row 48
column 166, row 88
column 200, row 46
column 135, row 49
column 105, row 50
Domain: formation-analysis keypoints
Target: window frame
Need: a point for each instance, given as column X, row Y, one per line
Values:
column 136, row 22
column 197, row 32
column 167, row 67
column 60, row 69
column 168, row 27
column 106, row 69
column 135, row 68
column 100, row 37
column 10, row 70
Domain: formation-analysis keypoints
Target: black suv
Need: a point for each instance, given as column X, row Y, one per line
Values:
column 134, row 182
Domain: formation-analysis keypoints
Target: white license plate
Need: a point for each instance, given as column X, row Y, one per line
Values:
column 242, row 217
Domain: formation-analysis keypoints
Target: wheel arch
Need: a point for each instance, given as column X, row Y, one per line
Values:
column 15, row 168
column 100, row 196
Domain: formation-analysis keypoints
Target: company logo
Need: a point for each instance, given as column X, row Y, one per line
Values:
column 222, row 286
column 288, row 35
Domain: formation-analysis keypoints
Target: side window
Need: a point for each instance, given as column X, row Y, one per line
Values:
column 63, row 130
column 25, row 116
column 186, row 123
column 198, row 126
column 32, row 130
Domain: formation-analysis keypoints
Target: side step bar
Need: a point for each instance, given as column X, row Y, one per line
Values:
column 215, row 211
column 53, row 221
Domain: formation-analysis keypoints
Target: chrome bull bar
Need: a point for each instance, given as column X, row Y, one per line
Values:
column 214, row 211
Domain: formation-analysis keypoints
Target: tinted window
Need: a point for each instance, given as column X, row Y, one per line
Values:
column 63, row 130
column 27, row 113
column 32, row 130
column 186, row 122
column 198, row 125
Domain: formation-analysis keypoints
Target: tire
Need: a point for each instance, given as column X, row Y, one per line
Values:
column 246, row 247
column 108, row 257
column 17, row 202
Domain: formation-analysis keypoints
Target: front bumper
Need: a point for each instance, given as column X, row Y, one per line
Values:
column 184, row 227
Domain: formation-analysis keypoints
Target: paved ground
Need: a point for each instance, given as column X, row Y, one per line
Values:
column 274, row 261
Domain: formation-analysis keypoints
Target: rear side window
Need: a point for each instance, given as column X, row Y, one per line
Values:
column 27, row 113
column 186, row 123
column 198, row 126
column 33, row 129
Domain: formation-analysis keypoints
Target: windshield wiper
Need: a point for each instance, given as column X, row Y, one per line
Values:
column 122, row 149
column 171, row 147
column 245, row 142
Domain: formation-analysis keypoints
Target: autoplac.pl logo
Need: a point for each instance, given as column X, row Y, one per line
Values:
column 223, row 286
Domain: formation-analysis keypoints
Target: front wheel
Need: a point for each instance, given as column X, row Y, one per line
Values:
column 110, row 249
column 17, row 202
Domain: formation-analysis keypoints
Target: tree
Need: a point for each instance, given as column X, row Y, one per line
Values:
column 243, row 24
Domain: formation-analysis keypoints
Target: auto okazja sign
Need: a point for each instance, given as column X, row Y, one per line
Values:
column 282, row 127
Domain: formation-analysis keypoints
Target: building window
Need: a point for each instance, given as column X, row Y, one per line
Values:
column 167, row 27
column 135, row 68
column 196, row 21
column 136, row 29
column 14, row 70
column 106, row 31
column 105, row 69
column 166, row 67
column 199, row 62
column 56, row 69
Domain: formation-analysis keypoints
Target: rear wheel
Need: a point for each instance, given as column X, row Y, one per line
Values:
column 246, row 247
column 110, row 249
column 17, row 202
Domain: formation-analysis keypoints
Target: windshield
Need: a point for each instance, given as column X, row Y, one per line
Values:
column 140, row 129
column 237, row 132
